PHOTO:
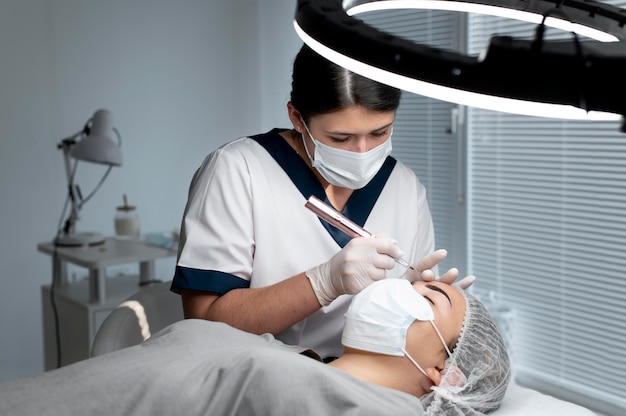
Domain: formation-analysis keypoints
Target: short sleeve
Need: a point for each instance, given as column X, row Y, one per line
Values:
column 217, row 235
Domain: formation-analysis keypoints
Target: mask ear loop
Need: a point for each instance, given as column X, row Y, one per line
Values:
column 306, row 148
column 441, row 339
column 415, row 363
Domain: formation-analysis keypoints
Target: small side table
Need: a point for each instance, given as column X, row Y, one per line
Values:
column 83, row 305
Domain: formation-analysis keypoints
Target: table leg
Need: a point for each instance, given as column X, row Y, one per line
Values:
column 146, row 273
column 97, row 285
column 59, row 270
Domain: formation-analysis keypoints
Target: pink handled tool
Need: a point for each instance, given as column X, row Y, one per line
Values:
column 335, row 218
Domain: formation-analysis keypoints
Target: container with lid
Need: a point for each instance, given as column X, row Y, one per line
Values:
column 127, row 221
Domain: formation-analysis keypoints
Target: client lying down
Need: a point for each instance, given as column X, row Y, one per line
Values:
column 427, row 349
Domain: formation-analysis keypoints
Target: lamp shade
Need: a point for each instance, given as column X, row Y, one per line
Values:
column 98, row 146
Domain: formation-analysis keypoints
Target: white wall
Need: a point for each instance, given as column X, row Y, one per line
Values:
column 278, row 47
column 179, row 77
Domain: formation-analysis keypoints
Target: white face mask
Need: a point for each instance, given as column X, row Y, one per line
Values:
column 380, row 315
column 344, row 168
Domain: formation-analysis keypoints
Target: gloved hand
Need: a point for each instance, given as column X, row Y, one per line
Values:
column 423, row 271
column 362, row 261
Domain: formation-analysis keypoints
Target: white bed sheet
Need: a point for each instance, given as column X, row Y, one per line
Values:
column 522, row 401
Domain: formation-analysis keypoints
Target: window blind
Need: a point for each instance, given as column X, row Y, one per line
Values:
column 423, row 136
column 547, row 237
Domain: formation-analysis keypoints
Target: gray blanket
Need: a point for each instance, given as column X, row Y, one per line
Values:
column 197, row 367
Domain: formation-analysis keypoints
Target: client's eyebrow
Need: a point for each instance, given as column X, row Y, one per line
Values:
column 440, row 290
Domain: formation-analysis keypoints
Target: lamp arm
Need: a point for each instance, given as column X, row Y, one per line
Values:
column 65, row 146
column 106, row 174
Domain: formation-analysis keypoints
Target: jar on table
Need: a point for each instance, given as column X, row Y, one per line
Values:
column 127, row 221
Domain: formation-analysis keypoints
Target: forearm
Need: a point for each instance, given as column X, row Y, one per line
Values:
column 268, row 309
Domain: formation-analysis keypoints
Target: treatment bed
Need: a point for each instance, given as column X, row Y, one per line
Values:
column 198, row 367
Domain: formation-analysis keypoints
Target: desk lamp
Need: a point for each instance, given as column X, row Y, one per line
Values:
column 94, row 143
column 576, row 79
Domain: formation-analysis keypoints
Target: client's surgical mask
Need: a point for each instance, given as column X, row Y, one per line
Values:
column 345, row 168
column 380, row 315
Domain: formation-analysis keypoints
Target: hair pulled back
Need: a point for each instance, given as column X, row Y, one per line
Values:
column 319, row 86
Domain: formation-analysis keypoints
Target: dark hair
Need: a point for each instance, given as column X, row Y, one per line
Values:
column 319, row 86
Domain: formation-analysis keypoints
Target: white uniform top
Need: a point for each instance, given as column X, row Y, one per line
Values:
column 245, row 225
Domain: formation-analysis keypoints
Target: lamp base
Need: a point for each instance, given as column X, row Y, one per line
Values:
column 79, row 239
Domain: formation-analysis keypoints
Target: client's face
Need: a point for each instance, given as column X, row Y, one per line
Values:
column 448, row 306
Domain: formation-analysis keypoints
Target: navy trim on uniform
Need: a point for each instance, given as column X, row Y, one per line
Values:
column 360, row 203
column 206, row 281
column 293, row 165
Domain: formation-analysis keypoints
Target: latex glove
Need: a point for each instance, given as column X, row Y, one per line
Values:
column 362, row 261
column 423, row 271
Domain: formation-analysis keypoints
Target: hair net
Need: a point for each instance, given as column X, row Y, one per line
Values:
column 478, row 372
